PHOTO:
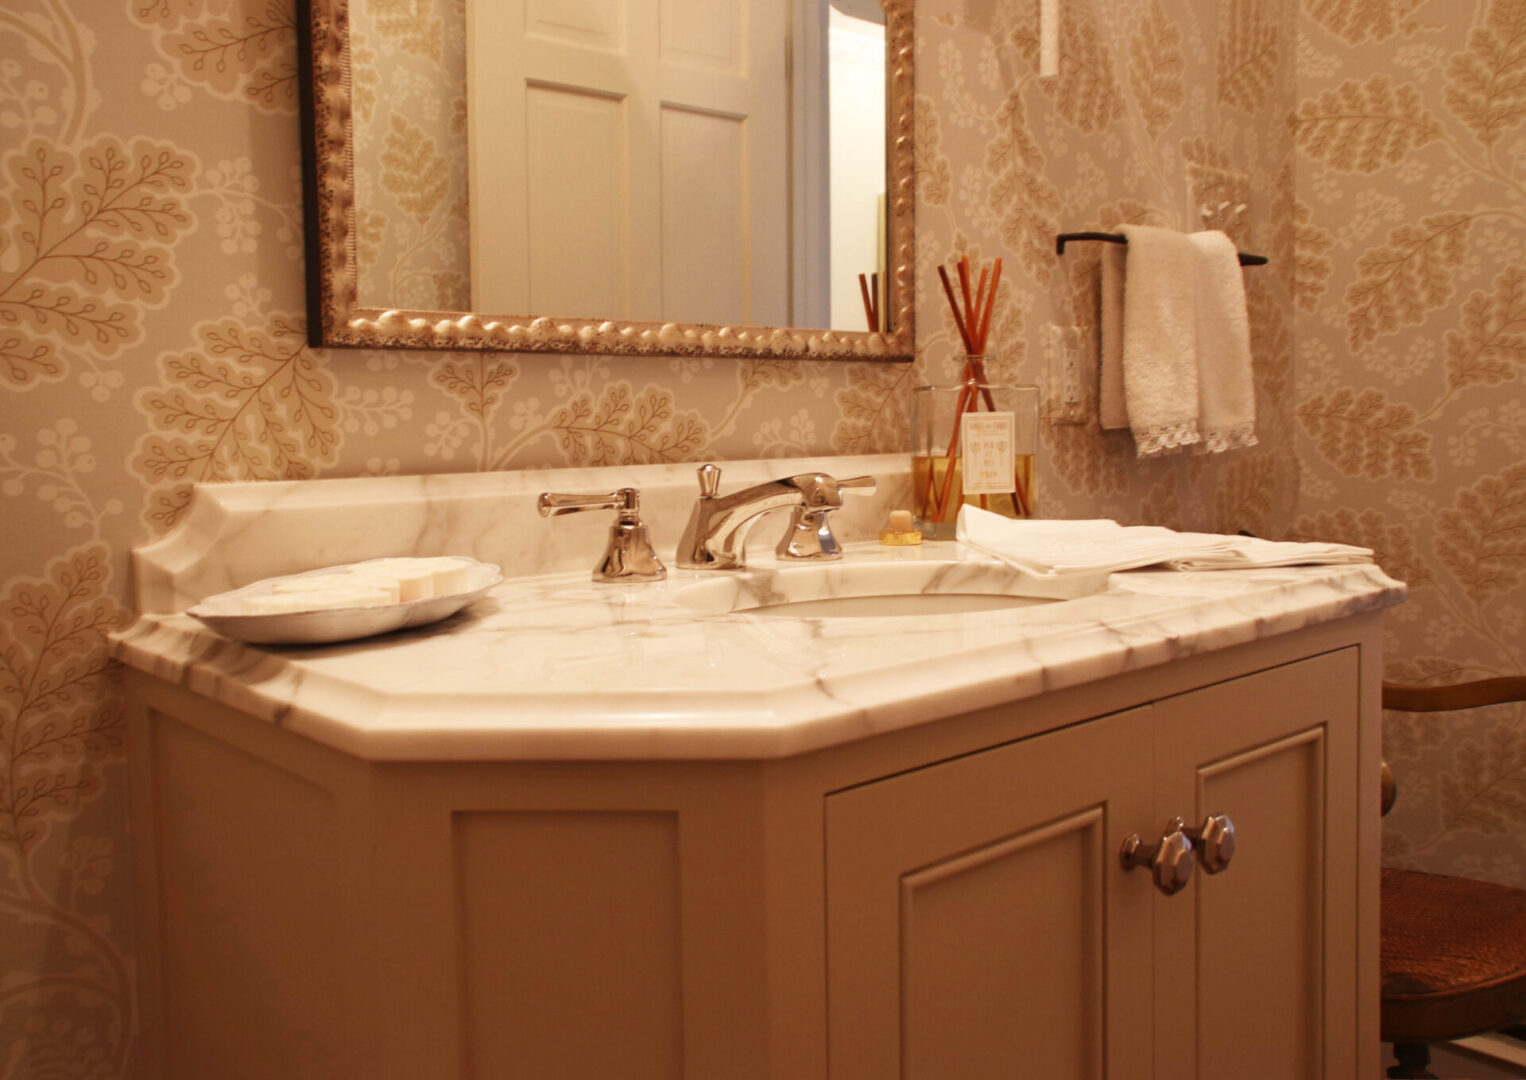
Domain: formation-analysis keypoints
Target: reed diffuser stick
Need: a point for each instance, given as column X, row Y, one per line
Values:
column 948, row 291
column 870, row 315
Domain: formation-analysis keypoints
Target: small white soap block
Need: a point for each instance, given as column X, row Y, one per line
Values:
column 450, row 575
column 413, row 582
column 316, row 599
column 336, row 579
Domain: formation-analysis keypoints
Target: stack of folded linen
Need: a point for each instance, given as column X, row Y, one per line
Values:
column 1058, row 548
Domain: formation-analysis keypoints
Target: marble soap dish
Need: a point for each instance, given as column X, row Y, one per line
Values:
column 341, row 603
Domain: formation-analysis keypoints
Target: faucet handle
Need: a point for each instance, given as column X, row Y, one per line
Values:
column 629, row 555
column 709, row 481
column 810, row 535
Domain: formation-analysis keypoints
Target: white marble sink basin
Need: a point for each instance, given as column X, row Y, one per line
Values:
column 876, row 588
column 892, row 605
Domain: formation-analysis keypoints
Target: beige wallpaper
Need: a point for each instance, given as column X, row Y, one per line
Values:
column 151, row 336
column 408, row 79
column 1409, row 237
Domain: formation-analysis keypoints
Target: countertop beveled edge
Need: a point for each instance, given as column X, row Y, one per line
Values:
column 805, row 711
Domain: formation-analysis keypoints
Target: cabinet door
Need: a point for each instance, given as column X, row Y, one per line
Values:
column 1255, row 966
column 978, row 924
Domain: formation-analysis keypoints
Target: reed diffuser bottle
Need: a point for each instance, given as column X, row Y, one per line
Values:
column 972, row 442
column 981, row 455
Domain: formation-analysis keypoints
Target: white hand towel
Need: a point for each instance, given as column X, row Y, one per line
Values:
column 1111, row 407
column 1059, row 548
column 1226, row 390
column 1160, row 370
column 1248, row 551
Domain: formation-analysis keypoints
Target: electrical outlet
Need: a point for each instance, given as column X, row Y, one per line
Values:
column 1063, row 355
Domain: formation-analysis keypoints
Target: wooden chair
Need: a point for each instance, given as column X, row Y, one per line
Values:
column 1454, row 950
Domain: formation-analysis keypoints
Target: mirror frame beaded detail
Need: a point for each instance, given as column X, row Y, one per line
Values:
column 337, row 319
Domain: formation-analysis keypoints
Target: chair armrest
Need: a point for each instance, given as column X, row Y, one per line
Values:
column 1468, row 695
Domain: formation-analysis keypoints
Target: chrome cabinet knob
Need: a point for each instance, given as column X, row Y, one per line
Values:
column 1214, row 841
column 1170, row 859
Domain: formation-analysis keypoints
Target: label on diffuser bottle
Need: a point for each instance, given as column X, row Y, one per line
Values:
column 987, row 441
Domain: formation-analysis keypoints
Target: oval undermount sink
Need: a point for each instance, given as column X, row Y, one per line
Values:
column 873, row 588
column 891, row 604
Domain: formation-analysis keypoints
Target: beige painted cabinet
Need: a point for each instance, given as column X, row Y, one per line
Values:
column 980, row 922
column 940, row 902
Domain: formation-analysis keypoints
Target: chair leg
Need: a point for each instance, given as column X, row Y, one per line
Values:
column 1414, row 1062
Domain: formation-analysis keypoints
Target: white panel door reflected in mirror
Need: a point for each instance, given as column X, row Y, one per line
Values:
column 634, row 160
column 630, row 159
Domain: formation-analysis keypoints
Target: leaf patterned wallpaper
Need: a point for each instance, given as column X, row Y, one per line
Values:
column 151, row 336
column 413, row 246
column 1409, row 251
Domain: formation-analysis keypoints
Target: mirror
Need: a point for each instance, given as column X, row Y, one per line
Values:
column 609, row 176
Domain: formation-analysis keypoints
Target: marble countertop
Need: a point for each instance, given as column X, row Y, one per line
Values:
column 555, row 666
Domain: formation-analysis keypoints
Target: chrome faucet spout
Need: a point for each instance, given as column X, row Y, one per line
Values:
column 716, row 534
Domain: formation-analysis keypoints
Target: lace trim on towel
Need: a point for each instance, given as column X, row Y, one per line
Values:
column 1166, row 438
column 1230, row 438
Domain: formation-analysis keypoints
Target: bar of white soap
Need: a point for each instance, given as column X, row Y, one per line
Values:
column 419, row 577
column 413, row 582
column 317, row 598
column 450, row 575
column 336, row 579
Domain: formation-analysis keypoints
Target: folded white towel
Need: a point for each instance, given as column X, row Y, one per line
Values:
column 1248, row 551
column 1112, row 409
column 1058, row 548
column 1159, row 339
column 1226, row 390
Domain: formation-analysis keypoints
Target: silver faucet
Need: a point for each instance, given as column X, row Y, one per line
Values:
column 717, row 529
column 628, row 556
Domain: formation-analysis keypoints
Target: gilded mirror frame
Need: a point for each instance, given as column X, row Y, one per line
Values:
column 336, row 318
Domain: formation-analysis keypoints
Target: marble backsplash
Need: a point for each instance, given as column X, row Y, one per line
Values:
column 235, row 534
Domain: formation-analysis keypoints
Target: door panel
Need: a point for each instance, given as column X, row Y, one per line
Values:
column 972, row 1004
column 977, row 908
column 1243, row 955
column 672, row 203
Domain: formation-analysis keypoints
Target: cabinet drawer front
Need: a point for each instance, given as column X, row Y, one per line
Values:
column 974, row 907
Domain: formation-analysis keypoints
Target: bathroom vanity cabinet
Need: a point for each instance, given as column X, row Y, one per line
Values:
column 595, row 832
column 937, row 902
column 979, row 904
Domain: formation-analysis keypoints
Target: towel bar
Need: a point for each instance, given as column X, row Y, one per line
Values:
column 1117, row 238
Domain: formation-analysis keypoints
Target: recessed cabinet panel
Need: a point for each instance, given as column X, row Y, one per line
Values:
column 974, row 906
column 1249, row 918
column 252, row 988
column 570, row 944
column 971, row 948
